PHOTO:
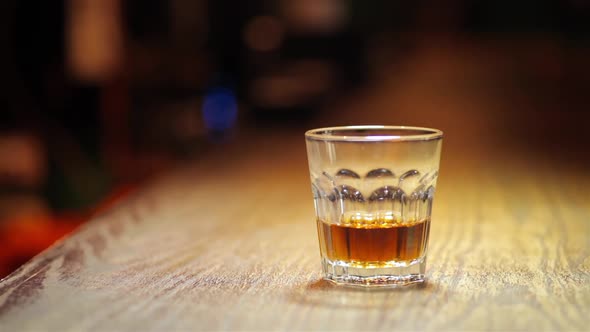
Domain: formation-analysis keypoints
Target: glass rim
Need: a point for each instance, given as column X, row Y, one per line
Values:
column 331, row 134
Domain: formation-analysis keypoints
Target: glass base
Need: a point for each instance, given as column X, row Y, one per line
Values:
column 392, row 274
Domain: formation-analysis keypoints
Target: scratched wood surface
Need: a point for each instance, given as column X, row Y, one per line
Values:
column 229, row 242
column 232, row 246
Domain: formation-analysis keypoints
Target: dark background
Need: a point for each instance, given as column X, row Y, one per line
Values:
column 98, row 96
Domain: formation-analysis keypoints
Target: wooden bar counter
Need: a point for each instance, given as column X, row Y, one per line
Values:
column 229, row 243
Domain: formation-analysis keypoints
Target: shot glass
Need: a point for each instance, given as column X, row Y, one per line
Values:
column 373, row 188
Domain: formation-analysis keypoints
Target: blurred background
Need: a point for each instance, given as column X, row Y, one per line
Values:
column 99, row 96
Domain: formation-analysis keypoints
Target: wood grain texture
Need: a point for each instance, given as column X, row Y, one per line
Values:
column 237, row 250
column 229, row 243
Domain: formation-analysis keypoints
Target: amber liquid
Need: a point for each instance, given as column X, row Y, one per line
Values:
column 373, row 242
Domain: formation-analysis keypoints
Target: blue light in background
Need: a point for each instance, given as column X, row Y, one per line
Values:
column 220, row 109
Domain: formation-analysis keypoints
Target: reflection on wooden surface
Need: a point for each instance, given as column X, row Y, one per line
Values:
column 230, row 242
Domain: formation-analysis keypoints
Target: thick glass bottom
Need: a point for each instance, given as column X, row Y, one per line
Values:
column 391, row 274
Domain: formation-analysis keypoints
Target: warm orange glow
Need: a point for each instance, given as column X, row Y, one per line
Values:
column 263, row 33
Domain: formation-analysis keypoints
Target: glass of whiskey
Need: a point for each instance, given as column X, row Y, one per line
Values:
column 373, row 188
